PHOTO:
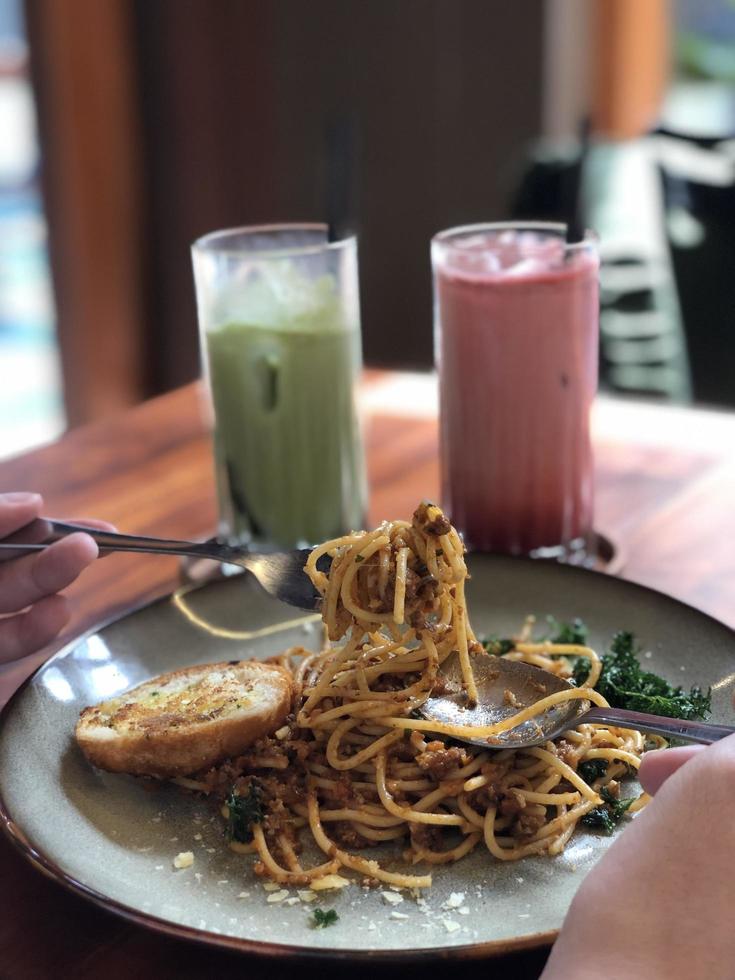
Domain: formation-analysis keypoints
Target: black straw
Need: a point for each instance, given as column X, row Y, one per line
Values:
column 575, row 218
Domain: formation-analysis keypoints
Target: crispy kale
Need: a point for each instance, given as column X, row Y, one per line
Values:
column 625, row 684
column 558, row 632
column 574, row 632
column 243, row 811
column 609, row 815
column 498, row 645
column 592, row 769
column 323, row 918
column 580, row 670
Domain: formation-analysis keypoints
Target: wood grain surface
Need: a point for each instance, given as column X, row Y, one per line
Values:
column 665, row 495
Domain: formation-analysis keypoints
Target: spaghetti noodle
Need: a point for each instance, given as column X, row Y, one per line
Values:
column 354, row 764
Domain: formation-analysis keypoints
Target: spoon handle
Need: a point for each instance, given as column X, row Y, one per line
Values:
column 688, row 731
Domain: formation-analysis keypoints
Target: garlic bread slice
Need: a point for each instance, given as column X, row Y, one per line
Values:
column 186, row 721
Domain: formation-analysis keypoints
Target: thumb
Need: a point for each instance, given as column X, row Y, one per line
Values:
column 657, row 766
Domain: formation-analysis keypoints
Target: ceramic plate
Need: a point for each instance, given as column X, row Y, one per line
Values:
column 114, row 840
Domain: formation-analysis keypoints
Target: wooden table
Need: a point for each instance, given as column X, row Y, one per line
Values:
column 665, row 495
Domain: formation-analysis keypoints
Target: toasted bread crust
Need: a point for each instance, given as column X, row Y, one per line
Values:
column 206, row 714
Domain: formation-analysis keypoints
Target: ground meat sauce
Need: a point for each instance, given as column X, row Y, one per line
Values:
column 512, row 802
column 346, row 835
column 436, row 526
column 438, row 760
column 425, row 837
column 422, row 590
column 528, row 823
column 567, row 752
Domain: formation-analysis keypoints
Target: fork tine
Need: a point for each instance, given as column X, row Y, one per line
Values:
column 282, row 575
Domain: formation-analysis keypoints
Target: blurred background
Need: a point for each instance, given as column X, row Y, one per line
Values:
column 130, row 127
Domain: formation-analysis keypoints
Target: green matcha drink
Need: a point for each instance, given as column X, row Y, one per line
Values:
column 286, row 440
column 282, row 353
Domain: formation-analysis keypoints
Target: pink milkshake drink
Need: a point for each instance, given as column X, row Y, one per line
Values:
column 516, row 338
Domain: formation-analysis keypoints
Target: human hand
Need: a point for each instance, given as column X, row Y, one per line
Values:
column 656, row 767
column 31, row 611
column 659, row 903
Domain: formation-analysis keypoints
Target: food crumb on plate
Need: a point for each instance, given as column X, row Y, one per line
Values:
column 392, row 898
column 398, row 915
column 306, row 895
column 184, row 859
column 450, row 925
column 277, row 896
column 454, row 901
column 329, row 882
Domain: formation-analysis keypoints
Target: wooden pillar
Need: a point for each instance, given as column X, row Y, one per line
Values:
column 630, row 65
column 85, row 80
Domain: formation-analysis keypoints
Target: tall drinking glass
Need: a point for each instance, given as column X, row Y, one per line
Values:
column 279, row 320
column 516, row 341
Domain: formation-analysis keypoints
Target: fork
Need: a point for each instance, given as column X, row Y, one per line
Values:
column 280, row 574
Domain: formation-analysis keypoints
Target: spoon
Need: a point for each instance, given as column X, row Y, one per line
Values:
column 281, row 574
column 527, row 684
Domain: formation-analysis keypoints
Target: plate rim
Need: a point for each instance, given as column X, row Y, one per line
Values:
column 265, row 948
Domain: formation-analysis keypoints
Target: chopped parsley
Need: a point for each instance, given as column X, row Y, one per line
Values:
column 322, row 918
column 609, row 815
column 243, row 811
column 624, row 684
